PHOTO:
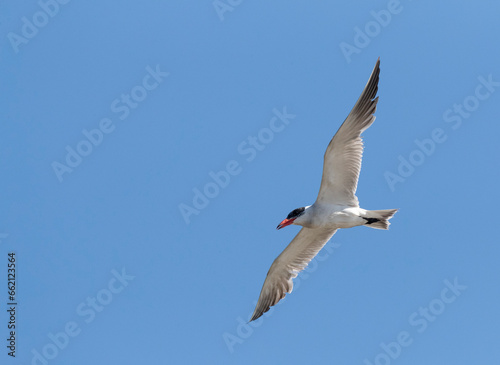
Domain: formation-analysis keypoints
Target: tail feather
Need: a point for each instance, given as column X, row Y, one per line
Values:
column 379, row 218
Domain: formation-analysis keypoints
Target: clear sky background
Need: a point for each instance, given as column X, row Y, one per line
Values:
column 115, row 117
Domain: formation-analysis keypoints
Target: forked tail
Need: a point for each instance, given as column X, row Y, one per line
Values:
column 379, row 218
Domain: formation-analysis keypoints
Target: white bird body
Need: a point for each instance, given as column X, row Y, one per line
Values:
column 336, row 205
column 334, row 216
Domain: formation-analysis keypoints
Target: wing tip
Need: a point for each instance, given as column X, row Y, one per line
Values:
column 254, row 317
column 257, row 314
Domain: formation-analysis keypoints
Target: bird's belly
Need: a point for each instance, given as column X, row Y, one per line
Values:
column 345, row 219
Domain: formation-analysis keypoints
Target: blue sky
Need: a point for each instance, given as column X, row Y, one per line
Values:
column 115, row 119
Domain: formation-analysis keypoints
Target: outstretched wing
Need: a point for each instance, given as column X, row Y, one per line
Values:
column 306, row 244
column 342, row 161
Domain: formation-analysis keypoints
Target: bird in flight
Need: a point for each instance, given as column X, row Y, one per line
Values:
column 336, row 205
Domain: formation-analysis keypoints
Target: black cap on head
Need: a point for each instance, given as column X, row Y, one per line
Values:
column 295, row 213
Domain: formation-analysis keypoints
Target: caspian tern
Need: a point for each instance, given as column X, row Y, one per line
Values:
column 336, row 205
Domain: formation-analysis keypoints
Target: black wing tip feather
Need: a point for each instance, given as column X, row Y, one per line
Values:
column 260, row 309
column 268, row 301
column 372, row 85
column 366, row 105
column 264, row 307
column 367, row 102
column 255, row 316
column 258, row 313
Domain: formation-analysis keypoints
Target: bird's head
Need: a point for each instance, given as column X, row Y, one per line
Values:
column 294, row 217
